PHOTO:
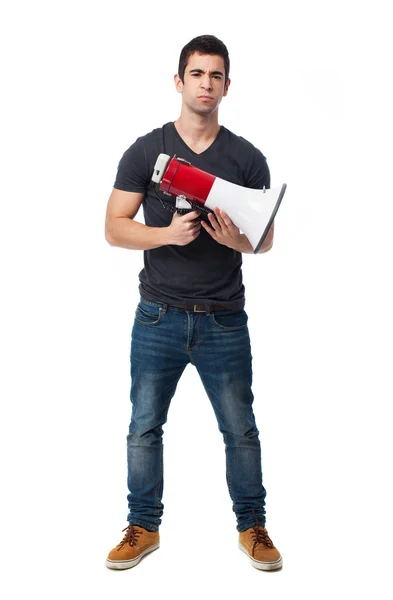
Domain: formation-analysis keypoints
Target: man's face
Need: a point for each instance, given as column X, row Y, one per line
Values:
column 204, row 83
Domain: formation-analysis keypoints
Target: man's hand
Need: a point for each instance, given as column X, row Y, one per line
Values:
column 225, row 232
column 183, row 229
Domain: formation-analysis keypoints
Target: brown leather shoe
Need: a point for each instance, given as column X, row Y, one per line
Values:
column 257, row 544
column 136, row 543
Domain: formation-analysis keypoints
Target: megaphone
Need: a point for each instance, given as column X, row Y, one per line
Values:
column 252, row 211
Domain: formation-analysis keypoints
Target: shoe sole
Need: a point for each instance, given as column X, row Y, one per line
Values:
column 263, row 566
column 128, row 564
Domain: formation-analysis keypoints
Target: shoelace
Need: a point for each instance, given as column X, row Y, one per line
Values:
column 131, row 537
column 260, row 536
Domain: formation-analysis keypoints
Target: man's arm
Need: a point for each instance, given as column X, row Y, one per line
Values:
column 121, row 229
column 225, row 232
column 246, row 247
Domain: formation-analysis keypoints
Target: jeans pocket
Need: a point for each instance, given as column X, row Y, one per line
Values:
column 147, row 315
column 230, row 320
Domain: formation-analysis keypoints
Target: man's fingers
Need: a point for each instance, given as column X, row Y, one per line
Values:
column 225, row 218
column 217, row 214
column 213, row 220
column 222, row 218
column 209, row 230
column 191, row 215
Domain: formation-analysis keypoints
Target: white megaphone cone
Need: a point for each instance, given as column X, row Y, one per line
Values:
column 252, row 211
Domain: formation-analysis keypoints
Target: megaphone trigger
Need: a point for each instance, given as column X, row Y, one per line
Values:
column 182, row 202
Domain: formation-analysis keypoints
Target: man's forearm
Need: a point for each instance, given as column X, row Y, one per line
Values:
column 246, row 248
column 127, row 233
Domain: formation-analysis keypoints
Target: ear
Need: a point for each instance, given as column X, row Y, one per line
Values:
column 228, row 83
column 178, row 83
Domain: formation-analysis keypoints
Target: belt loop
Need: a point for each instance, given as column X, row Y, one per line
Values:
column 207, row 309
column 164, row 307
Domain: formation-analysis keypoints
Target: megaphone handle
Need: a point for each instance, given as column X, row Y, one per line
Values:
column 183, row 211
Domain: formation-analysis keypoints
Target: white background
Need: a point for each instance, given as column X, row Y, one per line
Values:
column 311, row 87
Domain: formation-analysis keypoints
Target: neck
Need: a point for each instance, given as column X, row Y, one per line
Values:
column 197, row 128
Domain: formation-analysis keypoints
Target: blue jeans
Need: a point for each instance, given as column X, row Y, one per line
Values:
column 164, row 341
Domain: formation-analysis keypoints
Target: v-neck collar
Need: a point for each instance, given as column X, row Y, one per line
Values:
column 208, row 149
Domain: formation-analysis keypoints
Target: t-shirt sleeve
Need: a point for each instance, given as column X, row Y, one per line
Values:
column 259, row 176
column 133, row 171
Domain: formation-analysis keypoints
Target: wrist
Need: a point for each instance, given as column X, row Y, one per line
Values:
column 243, row 245
column 164, row 238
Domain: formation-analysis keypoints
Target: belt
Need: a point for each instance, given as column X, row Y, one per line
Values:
column 200, row 307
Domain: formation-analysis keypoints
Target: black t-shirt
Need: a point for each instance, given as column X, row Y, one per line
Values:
column 204, row 271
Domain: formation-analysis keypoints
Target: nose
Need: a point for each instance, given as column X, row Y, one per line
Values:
column 206, row 82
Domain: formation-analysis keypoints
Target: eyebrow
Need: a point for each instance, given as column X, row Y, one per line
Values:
column 212, row 73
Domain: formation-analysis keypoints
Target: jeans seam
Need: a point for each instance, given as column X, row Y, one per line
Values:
column 228, row 477
column 153, row 323
column 158, row 488
column 161, row 305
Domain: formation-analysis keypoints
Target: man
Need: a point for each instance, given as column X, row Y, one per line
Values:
column 191, row 308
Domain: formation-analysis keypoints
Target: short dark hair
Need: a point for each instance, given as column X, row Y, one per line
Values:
column 203, row 44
